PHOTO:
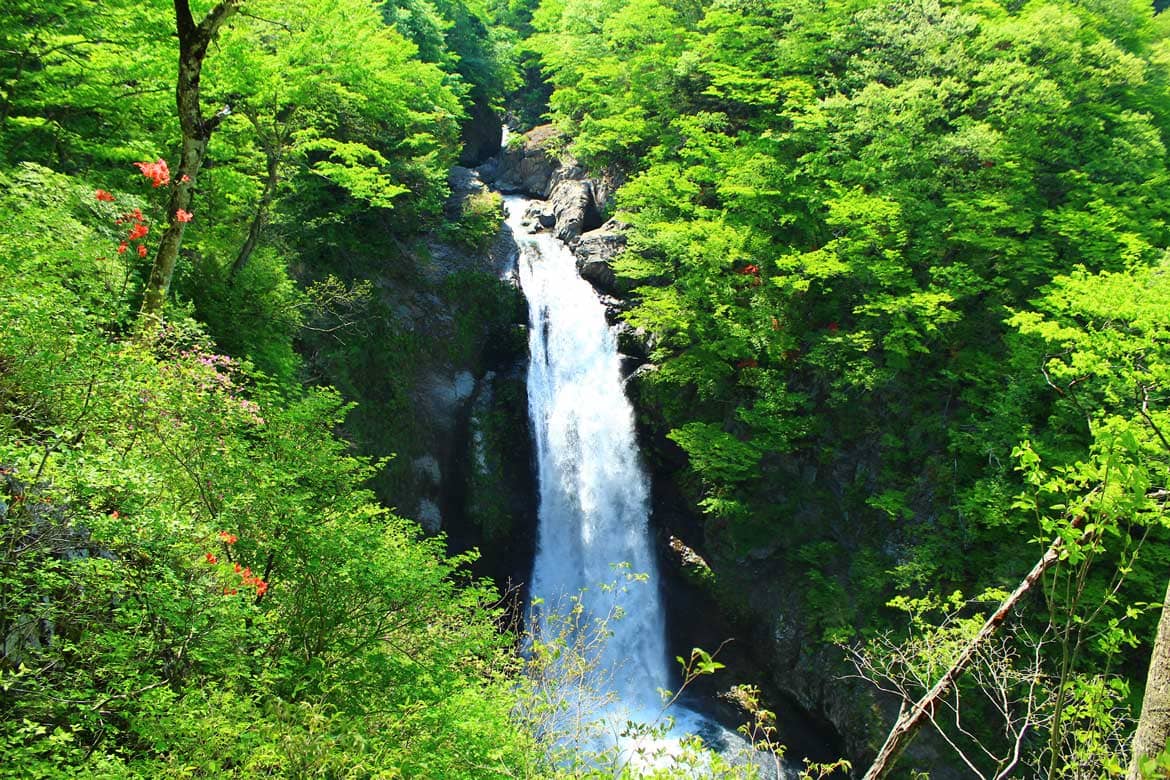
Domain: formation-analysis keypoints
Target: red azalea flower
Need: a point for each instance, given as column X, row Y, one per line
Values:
column 750, row 270
column 104, row 196
column 158, row 172
column 142, row 250
column 122, row 247
column 182, row 216
column 211, row 558
column 138, row 231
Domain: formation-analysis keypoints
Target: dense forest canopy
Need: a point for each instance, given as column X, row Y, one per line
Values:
column 903, row 266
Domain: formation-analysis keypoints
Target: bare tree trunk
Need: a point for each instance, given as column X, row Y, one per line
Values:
column 1153, row 729
column 193, row 42
column 261, row 217
column 913, row 719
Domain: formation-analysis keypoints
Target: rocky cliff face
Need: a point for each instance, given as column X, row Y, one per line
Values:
column 439, row 376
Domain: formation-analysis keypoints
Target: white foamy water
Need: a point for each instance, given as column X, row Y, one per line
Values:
column 593, row 496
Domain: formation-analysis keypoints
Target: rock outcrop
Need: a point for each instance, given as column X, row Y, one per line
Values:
column 572, row 201
column 527, row 166
column 482, row 133
column 595, row 252
column 573, row 209
column 443, row 328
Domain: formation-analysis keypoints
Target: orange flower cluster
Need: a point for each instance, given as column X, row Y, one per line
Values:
column 247, row 578
column 104, row 196
column 138, row 230
column 158, row 172
column 251, row 579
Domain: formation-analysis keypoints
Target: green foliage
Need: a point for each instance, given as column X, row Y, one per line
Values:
column 195, row 581
column 478, row 223
column 257, row 314
column 716, row 455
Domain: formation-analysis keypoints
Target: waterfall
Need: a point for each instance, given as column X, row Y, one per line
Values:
column 595, row 584
column 593, row 540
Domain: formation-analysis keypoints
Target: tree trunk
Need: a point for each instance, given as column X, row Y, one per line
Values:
column 193, row 42
column 1153, row 729
column 261, row 216
column 913, row 719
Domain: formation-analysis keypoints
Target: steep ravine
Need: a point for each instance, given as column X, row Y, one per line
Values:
column 447, row 398
column 714, row 591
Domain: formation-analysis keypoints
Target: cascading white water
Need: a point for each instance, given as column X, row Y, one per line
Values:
column 593, row 491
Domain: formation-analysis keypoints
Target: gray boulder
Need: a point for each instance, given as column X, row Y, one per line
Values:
column 572, row 204
column 535, row 172
column 614, row 307
column 595, row 252
column 540, row 213
column 635, row 342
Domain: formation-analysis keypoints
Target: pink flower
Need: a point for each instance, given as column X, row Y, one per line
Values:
column 182, row 216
